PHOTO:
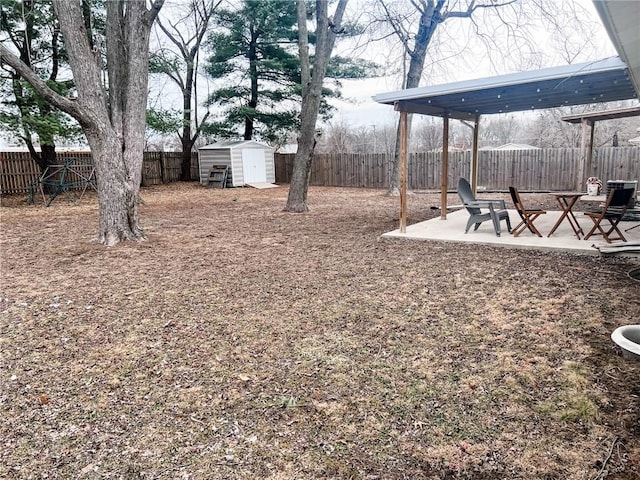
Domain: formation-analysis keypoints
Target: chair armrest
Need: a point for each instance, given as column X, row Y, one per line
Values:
column 499, row 201
column 490, row 204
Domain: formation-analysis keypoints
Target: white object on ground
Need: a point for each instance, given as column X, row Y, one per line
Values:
column 627, row 338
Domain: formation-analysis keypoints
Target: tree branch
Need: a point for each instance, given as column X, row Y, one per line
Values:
column 199, row 127
column 473, row 7
column 180, row 44
column 419, row 8
column 55, row 56
column 206, row 16
column 5, row 26
column 63, row 103
column 152, row 13
column 397, row 28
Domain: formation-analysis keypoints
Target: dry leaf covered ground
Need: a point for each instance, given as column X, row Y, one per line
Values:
column 241, row 342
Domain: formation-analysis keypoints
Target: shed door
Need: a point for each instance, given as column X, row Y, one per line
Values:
column 254, row 168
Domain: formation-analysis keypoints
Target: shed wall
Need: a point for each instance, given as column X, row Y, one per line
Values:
column 208, row 158
column 232, row 156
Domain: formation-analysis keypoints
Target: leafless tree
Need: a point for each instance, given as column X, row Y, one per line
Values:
column 337, row 137
column 427, row 135
column 548, row 130
column 500, row 130
column 431, row 14
column 327, row 28
column 186, row 32
column 113, row 119
column 386, row 138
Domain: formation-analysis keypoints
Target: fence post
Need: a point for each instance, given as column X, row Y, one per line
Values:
column 161, row 167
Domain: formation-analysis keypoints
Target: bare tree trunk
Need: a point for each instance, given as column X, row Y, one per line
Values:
column 186, row 139
column 120, row 220
column 299, row 188
column 187, row 145
column 326, row 31
column 249, row 120
column 432, row 14
column 127, row 62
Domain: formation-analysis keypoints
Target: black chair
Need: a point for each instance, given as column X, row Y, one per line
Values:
column 494, row 210
column 612, row 211
column 527, row 216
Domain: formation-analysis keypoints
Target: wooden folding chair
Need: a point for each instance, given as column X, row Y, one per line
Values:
column 612, row 211
column 527, row 216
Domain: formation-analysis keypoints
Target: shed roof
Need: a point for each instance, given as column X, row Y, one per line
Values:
column 513, row 146
column 226, row 145
column 577, row 84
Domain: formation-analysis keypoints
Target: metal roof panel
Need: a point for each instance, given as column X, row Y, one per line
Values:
column 593, row 82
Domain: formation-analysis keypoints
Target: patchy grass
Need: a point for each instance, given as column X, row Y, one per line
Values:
column 243, row 342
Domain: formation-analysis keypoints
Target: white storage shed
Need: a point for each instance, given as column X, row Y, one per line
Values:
column 249, row 162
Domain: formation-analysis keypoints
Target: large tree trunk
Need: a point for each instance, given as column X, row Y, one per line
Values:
column 299, row 188
column 253, row 90
column 187, row 145
column 48, row 154
column 117, row 199
column 311, row 95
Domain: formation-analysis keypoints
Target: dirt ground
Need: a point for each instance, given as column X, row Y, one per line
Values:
column 242, row 342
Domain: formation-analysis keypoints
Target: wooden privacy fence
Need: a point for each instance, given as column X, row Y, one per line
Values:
column 18, row 171
column 166, row 167
column 545, row 169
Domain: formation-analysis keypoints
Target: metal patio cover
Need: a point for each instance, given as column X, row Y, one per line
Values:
column 621, row 19
column 604, row 80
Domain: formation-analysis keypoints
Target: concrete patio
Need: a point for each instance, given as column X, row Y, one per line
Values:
column 563, row 239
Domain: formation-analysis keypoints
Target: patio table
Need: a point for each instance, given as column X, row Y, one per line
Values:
column 567, row 200
column 593, row 198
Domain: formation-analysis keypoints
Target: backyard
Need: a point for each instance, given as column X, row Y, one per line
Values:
column 242, row 342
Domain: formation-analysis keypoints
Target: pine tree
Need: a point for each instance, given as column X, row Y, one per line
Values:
column 254, row 56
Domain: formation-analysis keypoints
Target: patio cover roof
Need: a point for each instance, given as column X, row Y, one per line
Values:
column 603, row 115
column 622, row 21
column 585, row 83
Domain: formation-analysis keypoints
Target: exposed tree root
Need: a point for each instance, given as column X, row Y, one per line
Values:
column 111, row 238
column 297, row 208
